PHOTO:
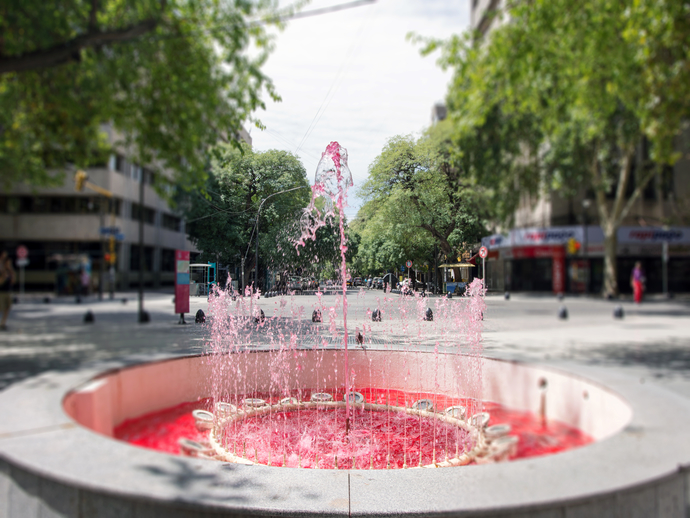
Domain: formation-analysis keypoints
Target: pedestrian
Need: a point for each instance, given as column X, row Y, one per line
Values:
column 85, row 282
column 7, row 279
column 637, row 281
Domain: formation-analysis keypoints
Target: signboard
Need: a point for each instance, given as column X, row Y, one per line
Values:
column 110, row 231
column 22, row 252
column 408, row 264
column 647, row 235
column 22, row 262
column 181, row 281
column 483, row 252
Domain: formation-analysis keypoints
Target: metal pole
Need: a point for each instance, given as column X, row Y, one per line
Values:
column 242, row 278
column 484, row 272
column 256, row 254
column 142, row 315
column 585, row 205
column 101, row 279
column 21, row 283
column 664, row 265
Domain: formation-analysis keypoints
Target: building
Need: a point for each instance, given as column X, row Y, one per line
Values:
column 534, row 256
column 62, row 229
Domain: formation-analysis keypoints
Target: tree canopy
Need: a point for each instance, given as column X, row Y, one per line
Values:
column 168, row 77
column 222, row 224
column 418, row 195
column 570, row 92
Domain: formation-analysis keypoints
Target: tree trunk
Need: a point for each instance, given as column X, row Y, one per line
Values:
column 610, row 254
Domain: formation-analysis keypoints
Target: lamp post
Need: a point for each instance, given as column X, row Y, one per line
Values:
column 585, row 206
column 258, row 213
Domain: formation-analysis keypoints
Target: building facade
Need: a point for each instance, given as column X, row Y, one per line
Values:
column 535, row 255
column 65, row 230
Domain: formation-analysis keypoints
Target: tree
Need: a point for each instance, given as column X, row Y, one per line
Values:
column 564, row 80
column 417, row 195
column 222, row 224
column 168, row 79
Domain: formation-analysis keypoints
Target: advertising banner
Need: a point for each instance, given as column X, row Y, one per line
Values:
column 651, row 235
column 181, row 281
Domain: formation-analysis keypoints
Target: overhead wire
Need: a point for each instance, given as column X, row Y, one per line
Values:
column 336, row 83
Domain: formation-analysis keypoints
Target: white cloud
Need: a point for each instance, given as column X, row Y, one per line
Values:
column 355, row 72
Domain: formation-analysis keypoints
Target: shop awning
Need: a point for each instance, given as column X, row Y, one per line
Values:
column 456, row 265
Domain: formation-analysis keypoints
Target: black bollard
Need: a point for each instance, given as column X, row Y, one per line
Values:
column 376, row 315
column 560, row 296
column 360, row 338
column 563, row 313
column 124, row 301
column 618, row 312
column 88, row 317
column 450, row 295
column 260, row 318
column 200, row 317
column 429, row 315
column 46, row 300
column 15, row 300
column 316, row 316
column 144, row 317
column 507, row 295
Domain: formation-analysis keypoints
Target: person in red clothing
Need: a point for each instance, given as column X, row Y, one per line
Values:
column 637, row 282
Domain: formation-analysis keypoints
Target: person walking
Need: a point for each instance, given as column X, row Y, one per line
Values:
column 637, row 282
column 7, row 280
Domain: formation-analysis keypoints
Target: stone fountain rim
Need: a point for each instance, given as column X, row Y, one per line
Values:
column 37, row 437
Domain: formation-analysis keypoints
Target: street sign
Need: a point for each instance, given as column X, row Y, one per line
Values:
column 22, row 252
column 483, row 252
column 120, row 237
column 22, row 262
column 402, row 269
column 110, row 231
column 408, row 264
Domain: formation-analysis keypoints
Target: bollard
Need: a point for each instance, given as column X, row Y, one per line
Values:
column 360, row 338
column 124, row 301
column 563, row 313
column 429, row 315
column 88, row 317
column 261, row 317
column 46, row 300
column 376, row 315
column 618, row 312
column 560, row 296
column 316, row 316
column 450, row 295
column 200, row 317
column 507, row 295
column 144, row 317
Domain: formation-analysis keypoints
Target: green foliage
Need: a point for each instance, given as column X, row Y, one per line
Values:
column 418, row 195
column 222, row 223
column 561, row 96
column 167, row 78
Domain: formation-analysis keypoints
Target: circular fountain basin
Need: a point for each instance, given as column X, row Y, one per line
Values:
column 57, row 450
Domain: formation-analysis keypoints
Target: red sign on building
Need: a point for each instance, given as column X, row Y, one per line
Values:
column 181, row 281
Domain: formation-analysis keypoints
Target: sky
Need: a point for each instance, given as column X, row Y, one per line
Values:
column 351, row 76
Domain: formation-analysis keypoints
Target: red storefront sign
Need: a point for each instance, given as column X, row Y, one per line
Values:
column 181, row 281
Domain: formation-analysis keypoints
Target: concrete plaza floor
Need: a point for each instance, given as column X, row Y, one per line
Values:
column 652, row 341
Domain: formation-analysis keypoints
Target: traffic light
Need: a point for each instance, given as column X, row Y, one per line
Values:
column 80, row 178
column 573, row 246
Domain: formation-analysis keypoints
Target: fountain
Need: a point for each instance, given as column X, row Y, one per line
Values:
column 293, row 415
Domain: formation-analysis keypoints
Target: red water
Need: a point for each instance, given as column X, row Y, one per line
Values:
column 375, row 440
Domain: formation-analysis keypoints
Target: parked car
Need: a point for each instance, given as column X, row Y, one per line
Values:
column 357, row 281
column 295, row 283
column 310, row 283
column 377, row 283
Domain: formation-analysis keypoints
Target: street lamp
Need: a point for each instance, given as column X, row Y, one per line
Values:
column 258, row 213
column 585, row 206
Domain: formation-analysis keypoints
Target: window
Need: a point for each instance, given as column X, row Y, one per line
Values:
column 149, row 215
column 149, row 176
column 171, row 222
column 167, row 260
column 120, row 164
column 134, row 258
